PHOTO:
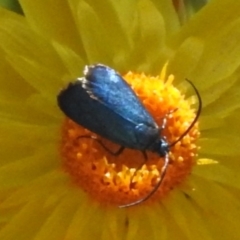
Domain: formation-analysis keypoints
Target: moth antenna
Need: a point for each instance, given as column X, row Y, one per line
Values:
column 196, row 117
column 163, row 173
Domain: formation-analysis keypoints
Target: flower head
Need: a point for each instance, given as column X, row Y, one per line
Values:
column 127, row 178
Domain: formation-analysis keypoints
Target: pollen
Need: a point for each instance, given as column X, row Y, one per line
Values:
column 128, row 177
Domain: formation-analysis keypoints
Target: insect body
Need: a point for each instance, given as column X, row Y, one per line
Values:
column 105, row 104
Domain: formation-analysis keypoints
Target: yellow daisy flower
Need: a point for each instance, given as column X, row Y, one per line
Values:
column 42, row 193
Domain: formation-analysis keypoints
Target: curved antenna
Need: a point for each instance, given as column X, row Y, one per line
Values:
column 163, row 173
column 196, row 117
column 166, row 159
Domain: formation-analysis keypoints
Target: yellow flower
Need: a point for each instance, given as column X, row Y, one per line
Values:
column 41, row 52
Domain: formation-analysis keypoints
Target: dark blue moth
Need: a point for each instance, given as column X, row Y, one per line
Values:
column 105, row 104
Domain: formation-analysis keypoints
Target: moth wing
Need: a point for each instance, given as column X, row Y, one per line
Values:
column 105, row 104
column 107, row 86
column 90, row 113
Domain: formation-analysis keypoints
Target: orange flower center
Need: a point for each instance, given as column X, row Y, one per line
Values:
column 123, row 179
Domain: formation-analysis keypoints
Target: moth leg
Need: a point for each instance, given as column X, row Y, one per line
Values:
column 116, row 153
